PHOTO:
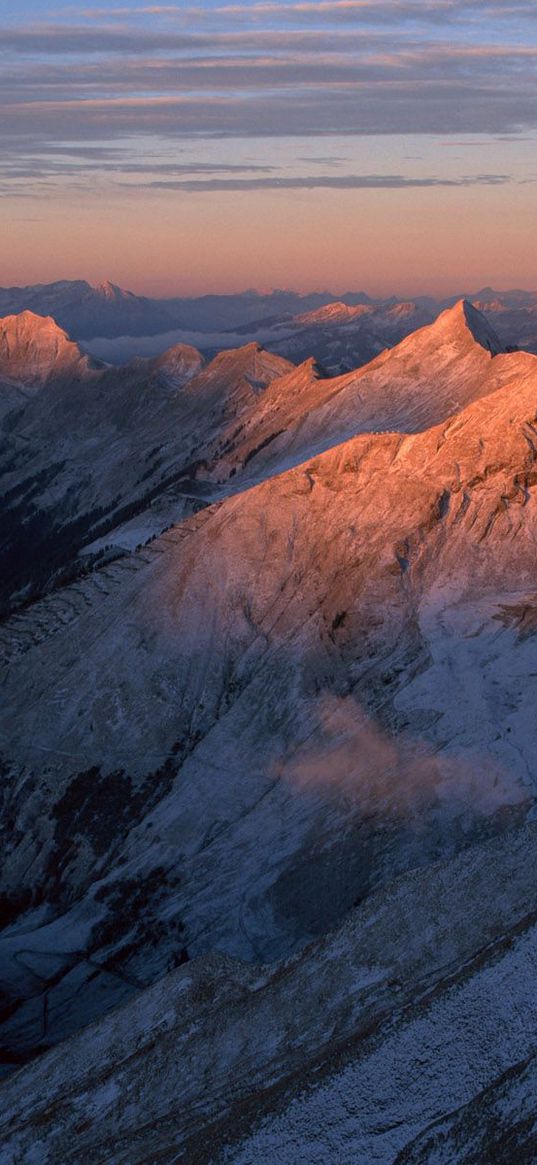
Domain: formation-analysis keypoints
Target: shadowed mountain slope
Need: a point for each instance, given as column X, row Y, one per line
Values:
column 409, row 1011
column 279, row 699
column 77, row 463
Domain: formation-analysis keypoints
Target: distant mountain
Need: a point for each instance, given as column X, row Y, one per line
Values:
column 341, row 337
column 107, row 310
column 85, row 311
column 317, row 324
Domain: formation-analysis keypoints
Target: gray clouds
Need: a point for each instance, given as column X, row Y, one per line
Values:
column 306, row 69
column 328, row 182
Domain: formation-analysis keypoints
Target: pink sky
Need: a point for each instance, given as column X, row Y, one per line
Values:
column 387, row 144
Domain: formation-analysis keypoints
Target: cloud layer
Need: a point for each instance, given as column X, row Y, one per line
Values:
column 317, row 68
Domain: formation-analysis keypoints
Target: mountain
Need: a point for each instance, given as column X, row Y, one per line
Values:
column 34, row 351
column 106, row 310
column 177, row 365
column 85, row 311
column 76, row 464
column 245, row 413
column 318, row 324
column 401, row 1036
column 432, row 373
column 244, row 662
column 341, row 337
column 268, row 799
column 197, row 432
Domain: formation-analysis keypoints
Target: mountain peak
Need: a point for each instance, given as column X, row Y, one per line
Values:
column 332, row 313
column 28, row 326
column 464, row 318
column 107, row 288
column 178, row 364
column 34, row 350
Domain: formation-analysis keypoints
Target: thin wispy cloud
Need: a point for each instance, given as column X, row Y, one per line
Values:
column 329, row 182
column 398, row 11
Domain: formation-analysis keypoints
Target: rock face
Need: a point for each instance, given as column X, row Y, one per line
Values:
column 296, row 730
column 35, row 352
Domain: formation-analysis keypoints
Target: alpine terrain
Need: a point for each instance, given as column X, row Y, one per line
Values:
column 269, row 799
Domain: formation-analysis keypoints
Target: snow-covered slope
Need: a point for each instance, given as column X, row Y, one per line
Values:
column 263, row 723
column 347, row 1052
column 279, row 700
column 497, row 1126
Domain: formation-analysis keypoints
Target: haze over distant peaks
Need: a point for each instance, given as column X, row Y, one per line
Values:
column 111, row 290
column 332, row 313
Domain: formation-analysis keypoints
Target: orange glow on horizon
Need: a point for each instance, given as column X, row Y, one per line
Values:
column 386, row 242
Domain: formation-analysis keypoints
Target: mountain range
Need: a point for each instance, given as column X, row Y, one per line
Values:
column 116, row 325
column 268, row 737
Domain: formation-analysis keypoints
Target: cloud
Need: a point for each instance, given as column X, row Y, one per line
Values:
column 328, row 182
column 323, row 159
column 112, row 162
column 304, row 69
column 349, row 756
column 391, row 104
column 373, row 11
column 56, row 40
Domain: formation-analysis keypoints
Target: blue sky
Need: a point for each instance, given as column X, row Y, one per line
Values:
column 128, row 114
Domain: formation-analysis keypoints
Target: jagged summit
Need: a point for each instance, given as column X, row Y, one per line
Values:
column 250, row 362
column 463, row 319
column 109, row 290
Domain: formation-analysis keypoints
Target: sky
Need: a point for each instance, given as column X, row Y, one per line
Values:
column 387, row 145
